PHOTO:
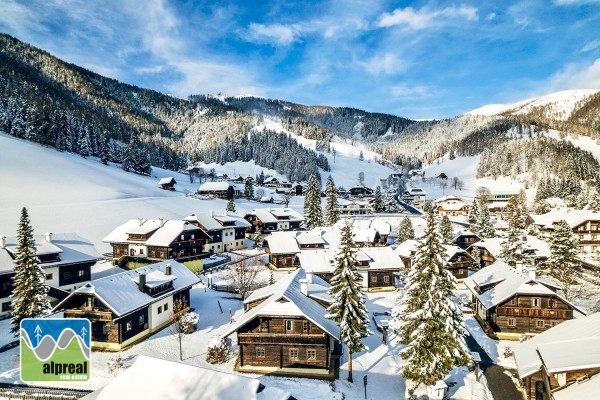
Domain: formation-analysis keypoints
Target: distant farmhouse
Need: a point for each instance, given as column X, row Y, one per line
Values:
column 220, row 190
column 167, row 183
column 284, row 330
column 127, row 307
column 451, row 206
column 585, row 225
column 226, row 231
column 66, row 259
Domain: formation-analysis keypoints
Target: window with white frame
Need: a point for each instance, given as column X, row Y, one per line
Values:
column 511, row 322
column 293, row 354
column 311, row 354
column 260, row 352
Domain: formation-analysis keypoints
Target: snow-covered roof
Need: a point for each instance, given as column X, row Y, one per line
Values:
column 297, row 305
column 120, row 291
column 407, row 248
column 309, row 238
column 167, row 181
column 452, row 205
column 206, row 220
column 574, row 333
column 573, row 217
column 447, row 198
column 589, row 389
column 144, row 227
column 151, row 378
column 539, row 247
column 509, row 281
column 171, row 229
column 228, row 217
column 271, row 215
column 573, row 355
column 214, row 186
column 381, row 258
column 282, row 242
column 381, row 225
column 362, row 235
column 318, row 261
column 71, row 248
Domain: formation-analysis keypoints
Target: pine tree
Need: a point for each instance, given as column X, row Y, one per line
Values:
column 473, row 217
column 249, row 187
column 378, row 201
column 230, row 206
column 28, row 298
column 332, row 210
column 476, row 254
column 430, row 321
column 564, row 260
column 484, row 222
column 129, row 156
column 446, row 230
column 593, row 200
column 348, row 308
column 313, row 215
column 104, row 148
column 405, row 230
column 512, row 246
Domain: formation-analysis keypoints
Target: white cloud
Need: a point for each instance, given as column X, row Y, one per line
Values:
column 418, row 91
column 425, row 18
column 575, row 76
column 491, row 16
column 276, row 34
column 387, row 63
column 590, row 46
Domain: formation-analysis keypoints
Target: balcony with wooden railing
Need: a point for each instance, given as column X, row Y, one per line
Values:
column 535, row 312
column 248, row 338
column 92, row 314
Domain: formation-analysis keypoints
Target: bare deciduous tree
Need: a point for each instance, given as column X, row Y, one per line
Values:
column 178, row 325
column 243, row 275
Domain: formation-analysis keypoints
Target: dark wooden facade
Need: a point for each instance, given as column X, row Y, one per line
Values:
column 527, row 314
column 464, row 241
column 459, row 265
column 540, row 384
column 379, row 279
column 283, row 260
column 284, row 343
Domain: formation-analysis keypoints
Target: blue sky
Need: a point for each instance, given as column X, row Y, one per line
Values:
column 416, row 59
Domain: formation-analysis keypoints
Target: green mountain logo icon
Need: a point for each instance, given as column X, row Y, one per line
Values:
column 55, row 351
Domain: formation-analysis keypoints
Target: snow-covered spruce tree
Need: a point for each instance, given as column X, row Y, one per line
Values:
column 332, row 210
column 249, row 188
column 348, row 308
column 446, row 230
column 512, row 245
column 378, row 205
column 429, row 320
column 484, row 222
column 564, row 260
column 313, row 214
column 476, row 254
column 473, row 217
column 405, row 230
column 29, row 298
column 230, row 206
column 593, row 200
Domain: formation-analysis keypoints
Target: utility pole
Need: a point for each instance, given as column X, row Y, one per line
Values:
column 365, row 384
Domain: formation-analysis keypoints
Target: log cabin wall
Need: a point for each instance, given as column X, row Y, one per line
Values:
column 528, row 313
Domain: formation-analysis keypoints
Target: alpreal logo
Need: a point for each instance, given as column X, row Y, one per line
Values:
column 55, row 349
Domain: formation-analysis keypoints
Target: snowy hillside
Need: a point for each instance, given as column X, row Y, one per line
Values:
column 559, row 105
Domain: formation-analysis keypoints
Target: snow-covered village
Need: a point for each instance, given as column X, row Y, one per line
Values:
column 235, row 246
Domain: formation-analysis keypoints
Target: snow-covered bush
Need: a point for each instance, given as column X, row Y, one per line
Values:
column 189, row 322
column 114, row 365
column 218, row 350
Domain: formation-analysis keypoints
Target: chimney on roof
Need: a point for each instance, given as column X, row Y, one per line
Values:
column 211, row 213
column 48, row 236
column 304, row 286
column 519, row 266
column 168, row 269
column 142, row 282
column 161, row 221
column 2, row 242
column 141, row 221
column 531, row 272
column 309, row 276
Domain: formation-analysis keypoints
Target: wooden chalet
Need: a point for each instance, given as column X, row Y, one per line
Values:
column 534, row 249
column 286, row 332
column 512, row 301
column 219, row 190
column 458, row 261
column 266, row 220
column 129, row 306
column 167, row 183
column 406, row 251
column 65, row 258
column 562, row 363
column 360, row 191
column 282, row 248
column 379, row 267
column 414, row 196
column 354, row 207
column 451, row 206
column 271, row 181
column 238, row 179
column 156, row 240
column 225, row 231
column 464, row 239
column 585, row 225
